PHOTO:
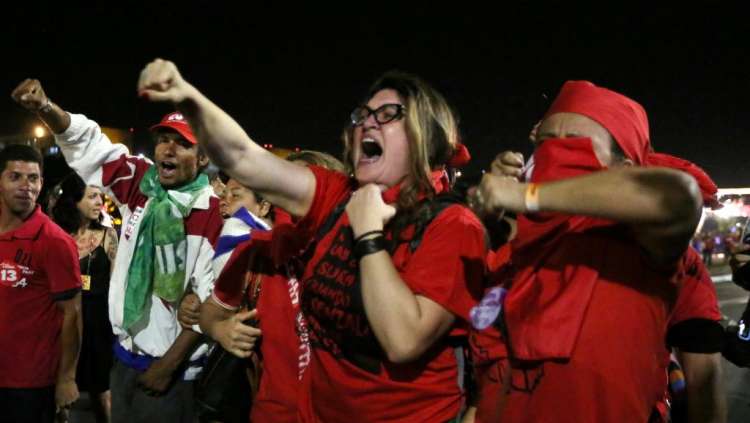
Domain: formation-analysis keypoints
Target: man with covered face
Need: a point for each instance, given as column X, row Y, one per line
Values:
column 596, row 263
column 170, row 222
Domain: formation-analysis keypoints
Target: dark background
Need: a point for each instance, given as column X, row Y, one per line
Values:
column 291, row 74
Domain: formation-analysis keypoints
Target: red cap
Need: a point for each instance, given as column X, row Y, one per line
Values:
column 177, row 122
column 622, row 117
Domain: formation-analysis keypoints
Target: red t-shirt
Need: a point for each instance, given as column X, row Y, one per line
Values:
column 487, row 348
column 38, row 266
column 278, row 314
column 618, row 369
column 697, row 299
column 349, row 376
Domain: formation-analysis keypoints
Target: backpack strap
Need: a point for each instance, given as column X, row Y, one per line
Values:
column 324, row 229
column 437, row 205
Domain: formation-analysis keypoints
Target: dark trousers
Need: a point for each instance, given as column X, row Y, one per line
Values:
column 27, row 405
column 130, row 404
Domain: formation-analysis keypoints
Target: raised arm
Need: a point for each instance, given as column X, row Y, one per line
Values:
column 86, row 148
column 32, row 97
column 661, row 205
column 284, row 184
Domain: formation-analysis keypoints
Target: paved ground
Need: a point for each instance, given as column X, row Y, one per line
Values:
column 81, row 412
column 732, row 301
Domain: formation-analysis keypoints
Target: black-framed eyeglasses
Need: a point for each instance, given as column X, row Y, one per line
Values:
column 383, row 114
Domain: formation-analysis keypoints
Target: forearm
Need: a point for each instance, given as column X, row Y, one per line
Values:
column 70, row 340
column 57, row 119
column 284, row 184
column 627, row 195
column 222, row 138
column 211, row 315
column 705, row 405
column 705, row 395
column 87, row 149
column 180, row 349
column 395, row 314
column 470, row 414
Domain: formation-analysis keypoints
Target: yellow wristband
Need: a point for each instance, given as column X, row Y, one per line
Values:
column 531, row 198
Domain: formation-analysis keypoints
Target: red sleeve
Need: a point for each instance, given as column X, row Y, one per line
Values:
column 62, row 266
column 697, row 296
column 330, row 189
column 230, row 283
column 123, row 177
column 498, row 262
column 214, row 222
column 448, row 266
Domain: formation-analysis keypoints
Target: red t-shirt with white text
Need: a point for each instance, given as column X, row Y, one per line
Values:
column 284, row 354
column 38, row 266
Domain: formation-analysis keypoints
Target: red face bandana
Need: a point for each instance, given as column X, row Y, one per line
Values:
column 562, row 158
column 554, row 159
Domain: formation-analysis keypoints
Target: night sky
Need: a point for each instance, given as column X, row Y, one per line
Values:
column 291, row 75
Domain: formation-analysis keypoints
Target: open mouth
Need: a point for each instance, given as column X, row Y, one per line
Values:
column 371, row 150
column 167, row 168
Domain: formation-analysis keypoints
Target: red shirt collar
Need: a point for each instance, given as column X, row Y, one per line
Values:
column 440, row 184
column 29, row 228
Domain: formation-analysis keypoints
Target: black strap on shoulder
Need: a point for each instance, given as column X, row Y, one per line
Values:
column 325, row 228
column 332, row 219
column 437, row 204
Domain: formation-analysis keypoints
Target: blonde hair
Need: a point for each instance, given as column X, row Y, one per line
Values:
column 431, row 129
column 317, row 158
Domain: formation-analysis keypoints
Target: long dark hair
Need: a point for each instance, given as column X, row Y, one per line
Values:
column 66, row 213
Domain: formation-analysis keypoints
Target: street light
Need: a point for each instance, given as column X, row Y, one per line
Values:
column 39, row 131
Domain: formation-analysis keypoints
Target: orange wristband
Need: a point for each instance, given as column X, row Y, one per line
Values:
column 531, row 198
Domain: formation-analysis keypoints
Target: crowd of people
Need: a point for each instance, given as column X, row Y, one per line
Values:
column 370, row 287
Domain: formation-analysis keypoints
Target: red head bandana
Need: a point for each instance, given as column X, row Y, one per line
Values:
column 622, row 117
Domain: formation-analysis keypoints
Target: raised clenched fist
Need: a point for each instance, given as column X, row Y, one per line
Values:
column 30, row 95
column 161, row 81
